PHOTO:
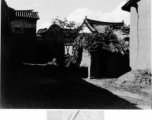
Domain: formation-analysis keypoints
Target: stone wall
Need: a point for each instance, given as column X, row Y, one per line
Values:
column 24, row 23
column 24, row 38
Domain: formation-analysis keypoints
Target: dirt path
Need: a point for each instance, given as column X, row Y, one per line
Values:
column 47, row 88
column 142, row 98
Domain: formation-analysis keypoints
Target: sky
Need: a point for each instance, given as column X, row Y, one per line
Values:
column 73, row 10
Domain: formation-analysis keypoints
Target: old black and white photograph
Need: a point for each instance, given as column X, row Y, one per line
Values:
column 76, row 54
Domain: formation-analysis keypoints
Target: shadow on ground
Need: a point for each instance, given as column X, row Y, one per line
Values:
column 54, row 88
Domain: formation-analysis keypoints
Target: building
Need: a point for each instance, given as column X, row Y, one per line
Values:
column 69, row 37
column 56, row 41
column 104, row 63
column 92, row 26
column 140, row 33
column 6, row 35
column 52, row 45
column 24, row 34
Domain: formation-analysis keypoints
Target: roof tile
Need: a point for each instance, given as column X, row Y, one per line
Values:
column 26, row 14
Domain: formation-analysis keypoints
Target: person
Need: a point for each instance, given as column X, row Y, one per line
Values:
column 54, row 60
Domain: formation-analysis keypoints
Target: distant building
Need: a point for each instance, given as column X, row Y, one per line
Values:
column 69, row 37
column 140, row 33
column 52, row 45
column 38, row 34
column 24, row 33
column 55, row 41
column 92, row 26
column 39, row 37
column 104, row 63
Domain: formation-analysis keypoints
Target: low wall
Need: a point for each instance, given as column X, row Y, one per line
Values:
column 105, row 64
column 85, row 58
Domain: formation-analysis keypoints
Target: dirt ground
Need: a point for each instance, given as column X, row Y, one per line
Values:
column 45, row 87
column 142, row 97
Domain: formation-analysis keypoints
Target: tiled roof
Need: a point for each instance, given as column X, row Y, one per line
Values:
column 41, row 31
column 26, row 14
column 104, row 23
column 130, row 3
column 99, row 26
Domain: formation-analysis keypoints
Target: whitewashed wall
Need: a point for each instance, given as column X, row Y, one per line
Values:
column 140, row 36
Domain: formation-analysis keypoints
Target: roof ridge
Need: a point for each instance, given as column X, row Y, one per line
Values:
column 26, row 10
column 96, row 26
column 89, row 25
column 105, row 22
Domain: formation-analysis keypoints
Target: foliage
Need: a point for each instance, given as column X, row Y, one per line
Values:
column 94, row 42
column 66, row 31
column 102, row 41
column 65, row 24
column 113, row 39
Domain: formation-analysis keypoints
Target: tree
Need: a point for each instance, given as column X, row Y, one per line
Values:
column 112, row 40
column 65, row 24
column 68, row 32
